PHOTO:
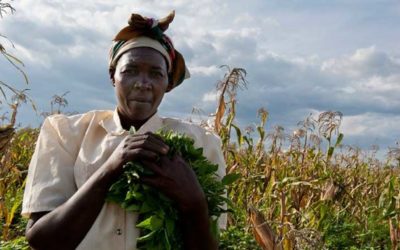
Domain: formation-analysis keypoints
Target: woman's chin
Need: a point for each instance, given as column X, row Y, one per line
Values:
column 139, row 105
column 140, row 110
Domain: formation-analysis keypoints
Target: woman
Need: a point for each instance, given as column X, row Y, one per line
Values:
column 78, row 157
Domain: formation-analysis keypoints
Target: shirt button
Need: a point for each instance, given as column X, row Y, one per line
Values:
column 119, row 231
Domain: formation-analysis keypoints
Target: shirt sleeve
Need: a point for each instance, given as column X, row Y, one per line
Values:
column 50, row 180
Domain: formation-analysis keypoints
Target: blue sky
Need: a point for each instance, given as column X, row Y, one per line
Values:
column 301, row 57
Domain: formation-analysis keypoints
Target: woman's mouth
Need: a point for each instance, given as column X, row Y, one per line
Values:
column 140, row 99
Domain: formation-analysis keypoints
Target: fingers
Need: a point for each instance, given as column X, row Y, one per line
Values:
column 152, row 137
column 147, row 141
column 140, row 153
column 150, row 180
column 155, row 180
column 153, row 167
column 176, row 159
column 142, row 147
column 155, row 136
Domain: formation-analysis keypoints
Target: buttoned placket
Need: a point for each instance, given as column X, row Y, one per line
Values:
column 114, row 129
column 120, row 233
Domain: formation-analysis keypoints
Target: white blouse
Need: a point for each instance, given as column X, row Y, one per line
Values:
column 71, row 148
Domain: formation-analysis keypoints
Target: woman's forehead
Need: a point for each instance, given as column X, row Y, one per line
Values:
column 143, row 55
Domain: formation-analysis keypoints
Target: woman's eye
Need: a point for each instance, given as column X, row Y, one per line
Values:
column 129, row 71
column 156, row 74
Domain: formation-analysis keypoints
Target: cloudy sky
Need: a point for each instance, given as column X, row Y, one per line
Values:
column 301, row 57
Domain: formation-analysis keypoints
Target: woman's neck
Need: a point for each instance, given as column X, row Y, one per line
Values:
column 127, row 123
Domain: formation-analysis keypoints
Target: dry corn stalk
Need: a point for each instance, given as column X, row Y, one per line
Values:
column 394, row 234
column 263, row 233
column 7, row 131
column 234, row 79
column 331, row 190
column 6, row 134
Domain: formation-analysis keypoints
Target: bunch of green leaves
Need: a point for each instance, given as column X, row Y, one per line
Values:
column 158, row 217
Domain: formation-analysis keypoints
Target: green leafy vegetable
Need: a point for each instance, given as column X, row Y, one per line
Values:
column 158, row 217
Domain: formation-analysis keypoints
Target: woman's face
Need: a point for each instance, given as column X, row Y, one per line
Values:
column 140, row 79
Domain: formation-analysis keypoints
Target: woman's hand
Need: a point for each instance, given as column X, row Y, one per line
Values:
column 178, row 181
column 137, row 147
column 70, row 222
column 174, row 178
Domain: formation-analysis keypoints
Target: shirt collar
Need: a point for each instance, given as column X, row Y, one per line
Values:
column 112, row 124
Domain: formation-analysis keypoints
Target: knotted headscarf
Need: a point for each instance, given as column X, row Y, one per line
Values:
column 149, row 32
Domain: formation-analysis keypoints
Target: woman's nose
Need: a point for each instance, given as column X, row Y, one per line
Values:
column 142, row 83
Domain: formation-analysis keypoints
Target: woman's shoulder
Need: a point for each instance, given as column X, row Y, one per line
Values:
column 73, row 127
column 79, row 120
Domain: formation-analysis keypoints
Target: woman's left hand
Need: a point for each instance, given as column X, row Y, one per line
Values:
column 174, row 178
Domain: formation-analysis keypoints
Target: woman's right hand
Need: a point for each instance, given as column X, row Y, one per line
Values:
column 71, row 221
column 135, row 147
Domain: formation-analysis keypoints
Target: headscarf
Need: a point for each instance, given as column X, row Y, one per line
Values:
column 149, row 32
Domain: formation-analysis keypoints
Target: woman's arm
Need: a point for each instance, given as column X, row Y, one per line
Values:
column 178, row 181
column 70, row 222
column 196, row 229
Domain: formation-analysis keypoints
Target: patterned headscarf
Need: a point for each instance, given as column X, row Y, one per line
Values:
column 149, row 32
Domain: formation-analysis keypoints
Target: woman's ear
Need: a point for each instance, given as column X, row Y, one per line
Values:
column 111, row 73
column 169, row 87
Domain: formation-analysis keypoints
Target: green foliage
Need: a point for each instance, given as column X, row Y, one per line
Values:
column 314, row 199
column 19, row 243
column 14, row 162
column 314, row 192
column 158, row 217
column 343, row 233
column 237, row 236
column 348, row 203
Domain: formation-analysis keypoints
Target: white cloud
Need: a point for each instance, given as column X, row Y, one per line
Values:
column 372, row 125
column 382, row 84
column 30, row 56
column 212, row 70
column 365, row 62
column 298, row 57
column 255, row 21
column 211, row 96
